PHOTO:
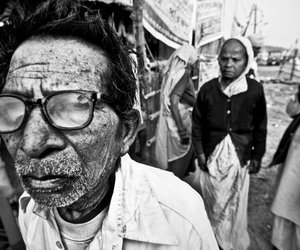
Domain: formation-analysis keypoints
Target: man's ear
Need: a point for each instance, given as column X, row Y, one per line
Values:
column 130, row 125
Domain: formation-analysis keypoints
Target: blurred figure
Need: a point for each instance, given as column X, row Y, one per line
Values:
column 10, row 191
column 177, row 99
column 286, row 203
column 229, row 138
column 6, row 190
column 257, row 42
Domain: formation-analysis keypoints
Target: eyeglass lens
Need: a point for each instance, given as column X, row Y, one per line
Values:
column 64, row 110
column 69, row 110
column 12, row 112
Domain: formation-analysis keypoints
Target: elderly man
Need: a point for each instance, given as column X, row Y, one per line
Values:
column 67, row 120
column 229, row 138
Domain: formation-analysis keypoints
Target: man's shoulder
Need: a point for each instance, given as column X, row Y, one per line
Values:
column 165, row 183
column 174, row 195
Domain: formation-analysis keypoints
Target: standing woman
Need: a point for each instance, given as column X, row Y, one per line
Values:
column 173, row 133
column 229, row 138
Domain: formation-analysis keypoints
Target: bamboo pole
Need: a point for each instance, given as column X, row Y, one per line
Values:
column 142, row 73
column 139, row 37
column 294, row 60
column 248, row 21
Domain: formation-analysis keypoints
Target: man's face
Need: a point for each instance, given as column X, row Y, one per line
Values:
column 232, row 60
column 59, row 167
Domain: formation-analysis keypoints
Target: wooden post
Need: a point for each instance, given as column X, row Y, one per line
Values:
column 249, row 21
column 142, row 73
column 139, row 37
column 294, row 60
column 255, row 18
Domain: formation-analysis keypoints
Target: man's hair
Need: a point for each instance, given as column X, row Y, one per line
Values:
column 70, row 18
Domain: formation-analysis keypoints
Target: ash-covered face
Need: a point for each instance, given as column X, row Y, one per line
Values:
column 56, row 167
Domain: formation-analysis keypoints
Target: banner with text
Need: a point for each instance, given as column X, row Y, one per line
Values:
column 169, row 20
column 209, row 20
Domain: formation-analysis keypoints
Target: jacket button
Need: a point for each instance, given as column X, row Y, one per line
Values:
column 58, row 244
column 228, row 112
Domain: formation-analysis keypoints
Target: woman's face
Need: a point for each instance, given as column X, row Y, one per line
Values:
column 232, row 60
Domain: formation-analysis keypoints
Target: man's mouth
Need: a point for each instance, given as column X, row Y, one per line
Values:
column 46, row 183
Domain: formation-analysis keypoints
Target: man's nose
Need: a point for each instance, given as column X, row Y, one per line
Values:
column 39, row 138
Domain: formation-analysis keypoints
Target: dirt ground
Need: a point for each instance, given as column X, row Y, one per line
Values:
column 262, row 185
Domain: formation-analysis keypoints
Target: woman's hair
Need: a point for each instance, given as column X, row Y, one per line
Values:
column 70, row 18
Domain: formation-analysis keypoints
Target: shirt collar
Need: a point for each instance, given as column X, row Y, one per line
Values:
column 37, row 209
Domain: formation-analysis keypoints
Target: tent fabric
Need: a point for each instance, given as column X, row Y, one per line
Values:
column 122, row 2
column 170, row 21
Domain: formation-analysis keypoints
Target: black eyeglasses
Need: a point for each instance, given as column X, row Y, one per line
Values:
column 66, row 110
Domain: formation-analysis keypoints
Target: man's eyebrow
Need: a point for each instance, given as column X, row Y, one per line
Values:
column 17, row 92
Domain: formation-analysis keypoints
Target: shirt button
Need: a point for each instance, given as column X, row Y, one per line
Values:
column 230, row 129
column 228, row 100
column 58, row 244
column 228, row 112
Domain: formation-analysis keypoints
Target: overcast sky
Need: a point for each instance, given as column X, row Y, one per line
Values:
column 282, row 19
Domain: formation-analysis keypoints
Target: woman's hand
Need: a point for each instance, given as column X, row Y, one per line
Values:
column 201, row 162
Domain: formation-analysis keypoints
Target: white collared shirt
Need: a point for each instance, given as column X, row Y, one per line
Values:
column 150, row 209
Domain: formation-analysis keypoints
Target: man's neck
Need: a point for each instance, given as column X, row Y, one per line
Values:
column 91, row 208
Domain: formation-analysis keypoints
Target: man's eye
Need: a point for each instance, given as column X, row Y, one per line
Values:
column 82, row 99
column 100, row 105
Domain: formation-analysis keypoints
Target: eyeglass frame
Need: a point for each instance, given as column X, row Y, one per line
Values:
column 31, row 102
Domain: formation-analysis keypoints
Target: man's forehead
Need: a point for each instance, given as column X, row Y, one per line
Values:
column 58, row 50
column 57, row 61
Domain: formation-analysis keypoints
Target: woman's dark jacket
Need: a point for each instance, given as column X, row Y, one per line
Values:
column 243, row 116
